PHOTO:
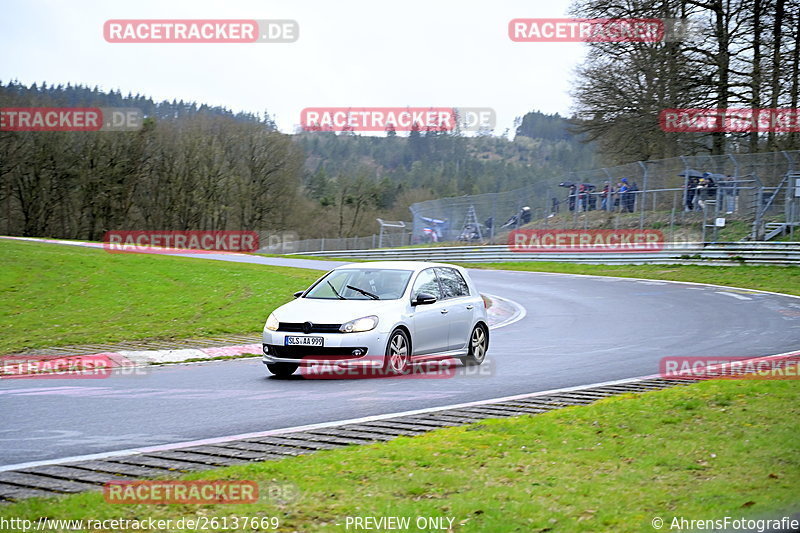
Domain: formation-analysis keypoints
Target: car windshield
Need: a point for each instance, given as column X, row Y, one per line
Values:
column 361, row 284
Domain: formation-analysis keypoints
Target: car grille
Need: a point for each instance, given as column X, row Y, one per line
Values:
column 314, row 352
column 315, row 328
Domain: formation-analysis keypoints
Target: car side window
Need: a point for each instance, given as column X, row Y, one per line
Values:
column 452, row 282
column 426, row 282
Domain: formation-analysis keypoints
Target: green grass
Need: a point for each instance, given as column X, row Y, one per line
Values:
column 699, row 452
column 785, row 279
column 57, row 295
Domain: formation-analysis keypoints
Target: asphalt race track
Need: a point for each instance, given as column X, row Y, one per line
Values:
column 578, row 330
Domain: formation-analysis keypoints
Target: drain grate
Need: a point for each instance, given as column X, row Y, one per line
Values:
column 82, row 476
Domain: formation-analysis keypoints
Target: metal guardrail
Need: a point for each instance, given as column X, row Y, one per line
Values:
column 754, row 253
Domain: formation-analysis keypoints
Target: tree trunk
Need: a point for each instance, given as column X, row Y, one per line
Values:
column 776, row 64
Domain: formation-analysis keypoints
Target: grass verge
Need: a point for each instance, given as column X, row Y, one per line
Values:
column 57, row 295
column 785, row 279
column 715, row 449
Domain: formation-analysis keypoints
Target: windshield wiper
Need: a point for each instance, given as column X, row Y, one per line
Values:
column 365, row 293
column 335, row 291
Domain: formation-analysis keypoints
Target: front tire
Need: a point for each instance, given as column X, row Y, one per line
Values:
column 398, row 354
column 478, row 345
column 282, row 370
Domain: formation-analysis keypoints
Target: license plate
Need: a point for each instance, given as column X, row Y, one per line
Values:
column 304, row 341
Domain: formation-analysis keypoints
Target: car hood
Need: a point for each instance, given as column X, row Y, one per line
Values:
column 332, row 311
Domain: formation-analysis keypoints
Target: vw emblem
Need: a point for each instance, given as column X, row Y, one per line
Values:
column 307, row 327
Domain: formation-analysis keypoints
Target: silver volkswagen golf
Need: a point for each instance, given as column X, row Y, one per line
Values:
column 385, row 315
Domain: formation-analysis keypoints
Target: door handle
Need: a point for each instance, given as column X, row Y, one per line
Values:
column 445, row 311
column 470, row 306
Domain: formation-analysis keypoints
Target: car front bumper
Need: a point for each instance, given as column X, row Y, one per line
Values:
column 341, row 349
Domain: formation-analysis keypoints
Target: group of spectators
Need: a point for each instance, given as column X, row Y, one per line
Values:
column 700, row 189
column 617, row 197
column 620, row 196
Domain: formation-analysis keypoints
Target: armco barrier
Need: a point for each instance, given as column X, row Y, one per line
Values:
column 754, row 253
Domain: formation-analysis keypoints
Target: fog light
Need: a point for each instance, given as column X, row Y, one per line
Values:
column 358, row 352
column 266, row 349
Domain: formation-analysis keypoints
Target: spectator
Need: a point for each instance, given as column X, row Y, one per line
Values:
column 624, row 194
column 429, row 235
column 706, row 190
column 605, row 195
column 632, row 190
column 592, row 197
column 691, row 190
column 711, row 187
column 525, row 214
column 700, row 192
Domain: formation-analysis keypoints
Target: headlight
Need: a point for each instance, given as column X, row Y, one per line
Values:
column 359, row 324
column 272, row 323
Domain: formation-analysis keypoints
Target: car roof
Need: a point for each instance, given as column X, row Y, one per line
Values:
column 401, row 265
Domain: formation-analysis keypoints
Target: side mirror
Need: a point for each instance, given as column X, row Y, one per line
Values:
column 298, row 294
column 423, row 298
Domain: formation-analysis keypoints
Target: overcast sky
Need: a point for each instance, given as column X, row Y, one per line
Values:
column 437, row 53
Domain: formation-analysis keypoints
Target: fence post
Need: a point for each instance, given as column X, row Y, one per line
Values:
column 672, row 218
column 642, row 199
column 758, row 226
column 788, row 202
column 685, row 182
column 735, row 165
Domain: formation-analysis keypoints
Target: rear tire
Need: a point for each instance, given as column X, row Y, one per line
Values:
column 398, row 354
column 282, row 370
column 478, row 345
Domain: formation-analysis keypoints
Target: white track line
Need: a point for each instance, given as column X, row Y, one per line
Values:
column 310, row 427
